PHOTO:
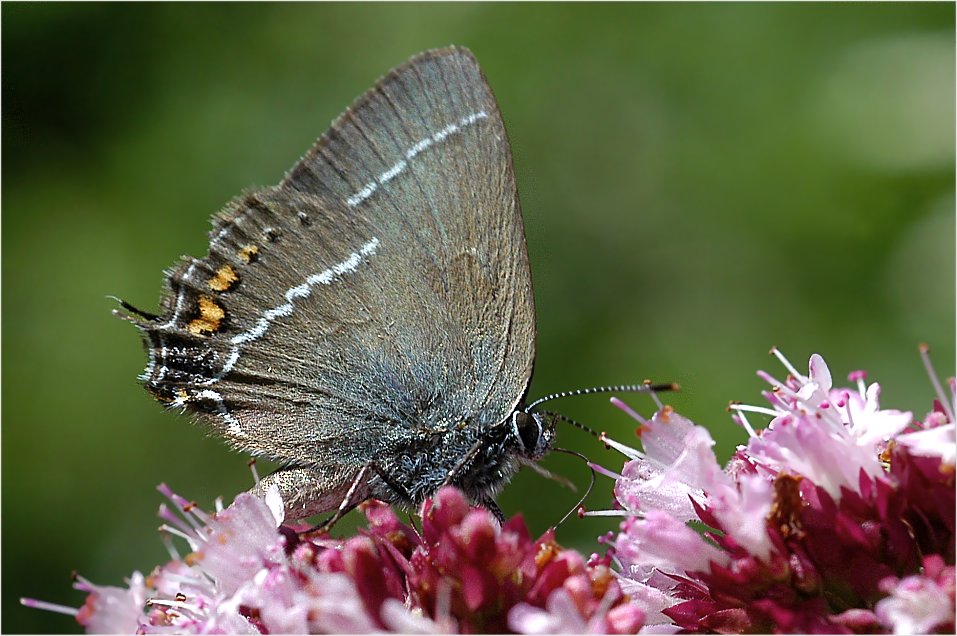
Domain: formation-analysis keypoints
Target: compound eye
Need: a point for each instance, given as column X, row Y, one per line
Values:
column 529, row 431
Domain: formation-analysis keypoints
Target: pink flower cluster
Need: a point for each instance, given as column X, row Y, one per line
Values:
column 836, row 518
column 462, row 573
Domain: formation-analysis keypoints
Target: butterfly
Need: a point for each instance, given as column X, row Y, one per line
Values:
column 369, row 322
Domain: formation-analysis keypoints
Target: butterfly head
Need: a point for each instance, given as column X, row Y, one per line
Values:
column 533, row 433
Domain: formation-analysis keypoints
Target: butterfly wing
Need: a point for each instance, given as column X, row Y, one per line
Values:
column 379, row 292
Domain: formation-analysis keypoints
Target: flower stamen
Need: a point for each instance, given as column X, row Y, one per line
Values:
column 627, row 451
column 935, row 381
column 787, row 365
column 50, row 607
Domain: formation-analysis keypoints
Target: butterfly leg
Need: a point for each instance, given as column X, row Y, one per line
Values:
column 347, row 502
column 401, row 494
column 463, row 463
column 489, row 504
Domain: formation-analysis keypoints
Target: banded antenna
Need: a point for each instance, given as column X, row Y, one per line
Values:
column 573, row 422
column 644, row 387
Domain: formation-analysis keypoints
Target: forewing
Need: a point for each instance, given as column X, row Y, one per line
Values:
column 379, row 294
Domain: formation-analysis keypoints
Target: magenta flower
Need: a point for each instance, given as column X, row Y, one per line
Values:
column 245, row 573
column 838, row 517
column 919, row 603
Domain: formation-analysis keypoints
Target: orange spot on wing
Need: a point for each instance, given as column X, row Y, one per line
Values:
column 224, row 279
column 249, row 253
column 210, row 317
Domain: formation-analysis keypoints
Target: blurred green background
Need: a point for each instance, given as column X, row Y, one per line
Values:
column 698, row 182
